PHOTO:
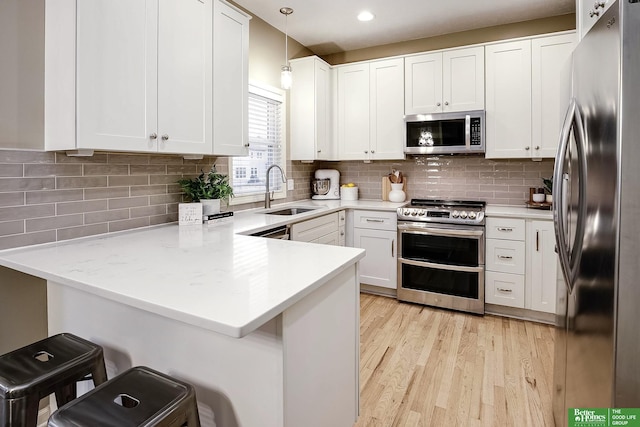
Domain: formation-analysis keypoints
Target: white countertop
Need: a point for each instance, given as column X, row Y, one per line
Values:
column 510, row 211
column 205, row 275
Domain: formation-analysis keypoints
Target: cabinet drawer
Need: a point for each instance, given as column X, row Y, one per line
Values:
column 505, row 228
column 504, row 289
column 379, row 220
column 506, row 256
column 328, row 239
column 307, row 231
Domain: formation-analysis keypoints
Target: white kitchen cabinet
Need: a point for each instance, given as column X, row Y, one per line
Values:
column 527, row 85
column 550, row 90
column 508, row 99
column 376, row 232
column 447, row 81
column 325, row 229
column 311, row 110
column 542, row 266
column 146, row 75
column 370, row 110
column 521, row 264
column 230, row 80
column 588, row 12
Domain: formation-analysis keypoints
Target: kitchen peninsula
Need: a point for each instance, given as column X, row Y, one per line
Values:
column 266, row 330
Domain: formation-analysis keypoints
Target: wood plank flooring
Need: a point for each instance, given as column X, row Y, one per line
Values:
column 421, row 366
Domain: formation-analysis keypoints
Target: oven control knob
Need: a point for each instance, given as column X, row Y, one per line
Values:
column 414, row 212
column 406, row 212
column 463, row 214
column 472, row 215
column 422, row 213
column 455, row 214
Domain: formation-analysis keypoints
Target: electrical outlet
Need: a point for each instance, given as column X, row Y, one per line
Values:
column 290, row 184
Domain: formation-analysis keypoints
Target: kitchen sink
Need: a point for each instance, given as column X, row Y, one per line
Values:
column 290, row 211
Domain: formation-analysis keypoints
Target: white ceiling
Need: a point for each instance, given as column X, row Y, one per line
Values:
column 329, row 26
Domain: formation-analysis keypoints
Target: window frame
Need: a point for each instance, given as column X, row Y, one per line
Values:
column 276, row 94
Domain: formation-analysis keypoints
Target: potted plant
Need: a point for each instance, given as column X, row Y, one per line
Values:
column 548, row 186
column 208, row 189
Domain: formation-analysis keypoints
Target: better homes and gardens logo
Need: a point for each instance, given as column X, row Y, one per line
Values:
column 604, row 417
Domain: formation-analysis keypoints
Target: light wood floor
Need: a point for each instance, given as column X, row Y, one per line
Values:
column 421, row 366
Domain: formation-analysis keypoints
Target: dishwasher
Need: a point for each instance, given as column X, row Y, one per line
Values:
column 281, row 232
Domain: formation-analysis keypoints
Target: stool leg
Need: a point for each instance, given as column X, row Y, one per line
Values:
column 19, row 412
column 66, row 394
column 99, row 373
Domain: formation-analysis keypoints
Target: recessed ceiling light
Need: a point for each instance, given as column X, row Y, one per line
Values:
column 365, row 16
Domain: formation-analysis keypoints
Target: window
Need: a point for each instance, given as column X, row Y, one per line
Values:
column 266, row 147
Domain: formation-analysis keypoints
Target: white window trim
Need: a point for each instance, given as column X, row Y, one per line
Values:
column 276, row 94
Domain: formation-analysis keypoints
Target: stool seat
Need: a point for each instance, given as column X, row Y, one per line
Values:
column 138, row 397
column 52, row 365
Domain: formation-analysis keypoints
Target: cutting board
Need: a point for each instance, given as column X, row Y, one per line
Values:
column 386, row 186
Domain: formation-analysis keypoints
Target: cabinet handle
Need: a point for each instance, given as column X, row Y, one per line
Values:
column 165, row 137
column 342, row 233
column 319, row 151
column 504, row 257
column 509, row 229
column 437, row 104
column 375, row 220
column 366, row 152
column 593, row 13
column 373, row 152
column 537, row 147
column 505, row 290
column 246, row 144
column 392, row 252
column 153, row 136
column 527, row 148
column 446, row 102
column 537, row 241
column 598, row 4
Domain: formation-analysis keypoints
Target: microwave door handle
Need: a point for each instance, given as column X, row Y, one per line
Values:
column 467, row 131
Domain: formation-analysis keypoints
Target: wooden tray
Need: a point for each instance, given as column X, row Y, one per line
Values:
column 386, row 187
column 539, row 205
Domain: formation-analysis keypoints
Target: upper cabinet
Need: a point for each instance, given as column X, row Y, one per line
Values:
column 528, row 87
column 142, row 76
column 311, row 110
column 370, row 106
column 588, row 12
column 446, row 81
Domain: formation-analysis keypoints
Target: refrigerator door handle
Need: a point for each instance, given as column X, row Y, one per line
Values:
column 570, row 262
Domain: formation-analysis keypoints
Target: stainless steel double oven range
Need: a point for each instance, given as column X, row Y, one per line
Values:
column 441, row 254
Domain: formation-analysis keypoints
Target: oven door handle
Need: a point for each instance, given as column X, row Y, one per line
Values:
column 417, row 229
column 479, row 269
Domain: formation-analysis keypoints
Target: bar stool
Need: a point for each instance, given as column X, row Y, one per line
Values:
column 138, row 397
column 52, row 365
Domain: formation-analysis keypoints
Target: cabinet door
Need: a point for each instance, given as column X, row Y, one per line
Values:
column 185, row 76
column 504, row 289
column 550, row 90
column 353, row 112
column 312, row 229
column 378, row 267
column 117, row 74
column 423, row 83
column 508, row 99
column 230, row 80
column 542, row 260
column 311, row 137
column 463, row 79
column 587, row 14
column 387, row 109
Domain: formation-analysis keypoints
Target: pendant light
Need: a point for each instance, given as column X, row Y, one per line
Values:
column 285, row 75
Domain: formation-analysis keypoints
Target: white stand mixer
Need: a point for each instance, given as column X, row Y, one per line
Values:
column 326, row 185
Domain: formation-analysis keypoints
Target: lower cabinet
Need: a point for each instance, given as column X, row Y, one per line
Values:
column 327, row 229
column 521, row 264
column 376, row 232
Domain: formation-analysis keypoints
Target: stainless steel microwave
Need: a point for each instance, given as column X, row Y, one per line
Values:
column 445, row 133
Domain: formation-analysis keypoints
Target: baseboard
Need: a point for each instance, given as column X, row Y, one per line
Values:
column 378, row 290
column 520, row 313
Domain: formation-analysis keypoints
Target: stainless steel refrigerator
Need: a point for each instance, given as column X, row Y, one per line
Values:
column 597, row 219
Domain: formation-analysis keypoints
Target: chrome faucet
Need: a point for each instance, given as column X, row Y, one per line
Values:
column 267, row 193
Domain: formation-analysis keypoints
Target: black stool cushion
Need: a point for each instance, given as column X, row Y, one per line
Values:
column 139, row 396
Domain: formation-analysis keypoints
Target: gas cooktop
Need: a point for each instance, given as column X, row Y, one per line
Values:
column 466, row 212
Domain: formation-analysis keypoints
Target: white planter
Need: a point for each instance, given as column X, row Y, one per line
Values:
column 396, row 194
column 210, row 206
